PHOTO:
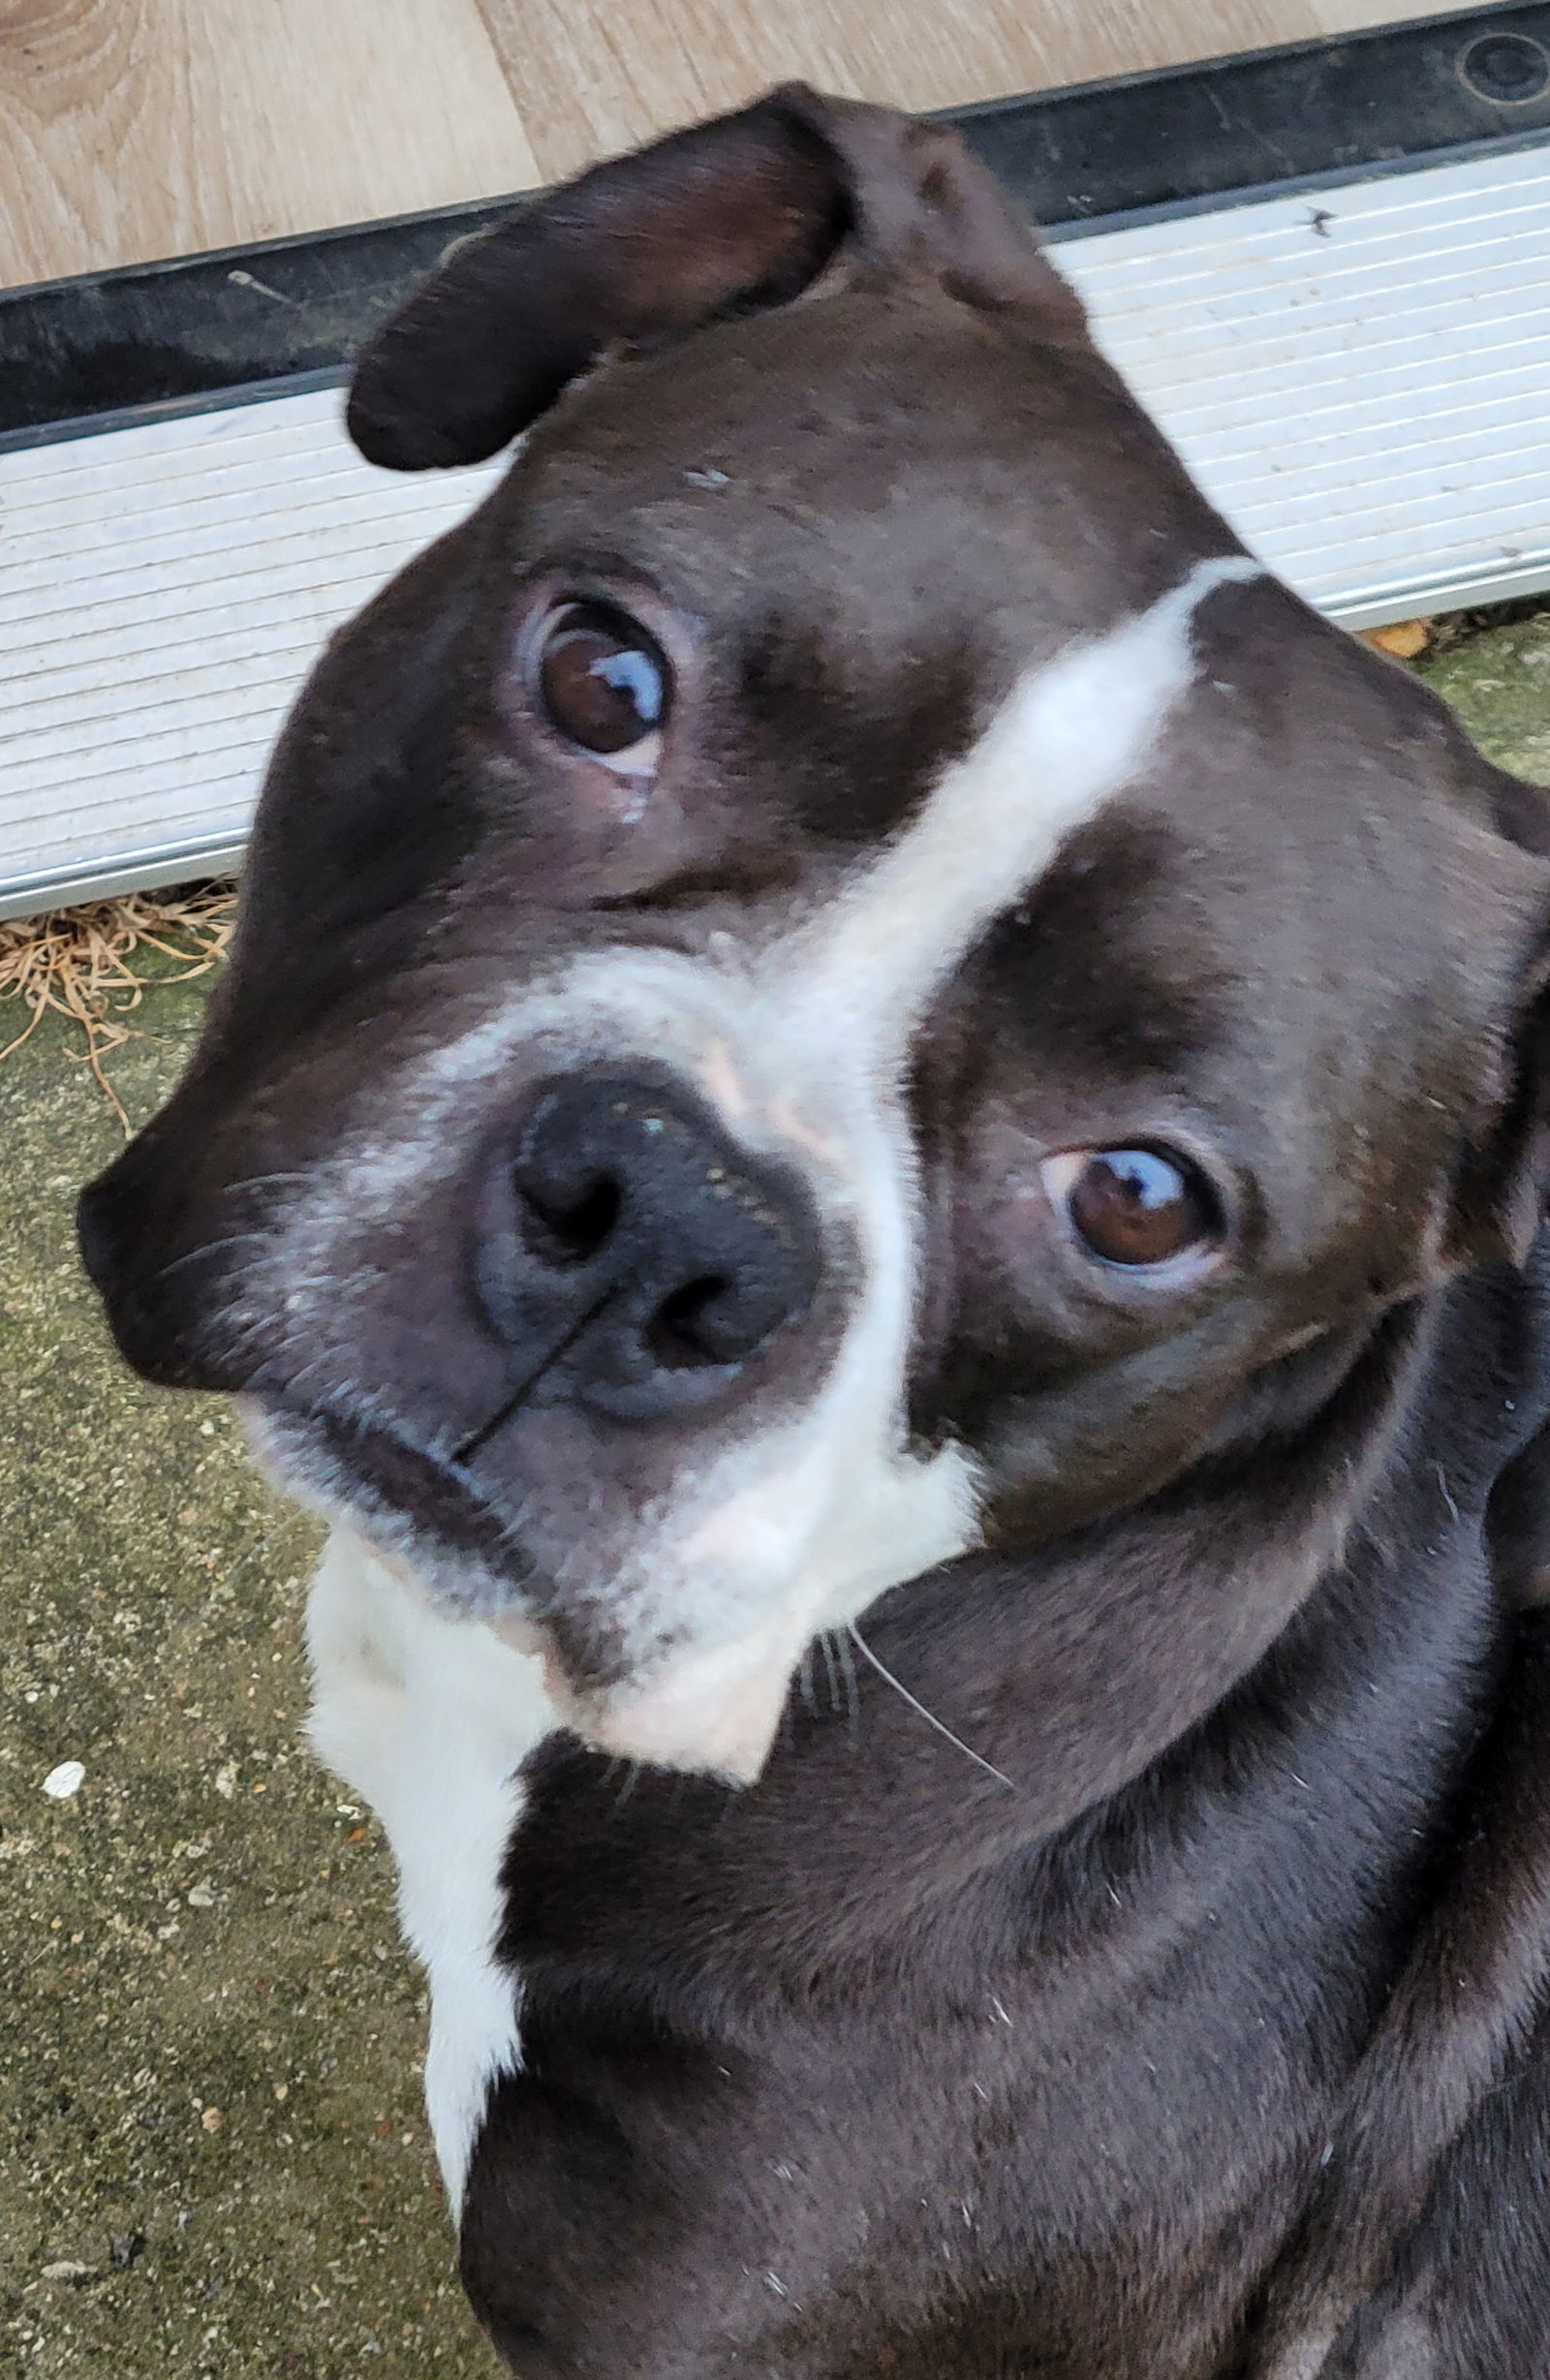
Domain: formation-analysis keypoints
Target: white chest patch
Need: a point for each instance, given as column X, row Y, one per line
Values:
column 428, row 1716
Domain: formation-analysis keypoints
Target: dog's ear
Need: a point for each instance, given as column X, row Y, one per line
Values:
column 1503, row 1183
column 731, row 216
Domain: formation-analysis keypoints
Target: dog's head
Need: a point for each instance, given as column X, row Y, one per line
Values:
column 833, row 979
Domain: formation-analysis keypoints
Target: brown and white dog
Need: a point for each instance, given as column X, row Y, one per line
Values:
column 877, row 1133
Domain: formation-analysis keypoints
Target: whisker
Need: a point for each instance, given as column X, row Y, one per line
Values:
column 209, row 1248
column 303, row 1372
column 826, row 1642
column 261, row 1180
column 930, row 1717
column 853, row 1692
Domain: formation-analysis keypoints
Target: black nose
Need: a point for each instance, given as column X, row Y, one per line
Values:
column 631, row 1256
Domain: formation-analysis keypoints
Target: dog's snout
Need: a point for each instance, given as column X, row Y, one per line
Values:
column 633, row 1258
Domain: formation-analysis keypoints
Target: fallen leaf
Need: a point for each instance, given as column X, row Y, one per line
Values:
column 1403, row 638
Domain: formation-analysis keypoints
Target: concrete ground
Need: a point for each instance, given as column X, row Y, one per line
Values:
column 212, row 2156
column 213, row 2159
column 1499, row 682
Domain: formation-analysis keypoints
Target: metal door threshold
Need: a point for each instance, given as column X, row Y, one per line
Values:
column 1356, row 371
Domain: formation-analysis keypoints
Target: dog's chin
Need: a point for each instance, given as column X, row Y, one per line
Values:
column 709, row 1709
column 712, row 1710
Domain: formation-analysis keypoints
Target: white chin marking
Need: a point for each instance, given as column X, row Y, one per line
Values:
column 428, row 1717
column 715, row 1711
column 801, row 1043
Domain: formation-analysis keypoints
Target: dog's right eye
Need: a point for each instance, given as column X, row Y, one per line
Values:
column 1137, row 1209
column 605, row 684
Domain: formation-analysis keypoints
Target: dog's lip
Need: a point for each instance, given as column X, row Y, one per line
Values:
column 414, row 1480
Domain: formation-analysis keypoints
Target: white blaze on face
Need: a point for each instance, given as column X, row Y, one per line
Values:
column 1068, row 737
column 833, row 1509
column 802, row 1047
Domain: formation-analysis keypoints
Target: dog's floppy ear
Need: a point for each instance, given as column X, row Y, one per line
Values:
column 731, row 216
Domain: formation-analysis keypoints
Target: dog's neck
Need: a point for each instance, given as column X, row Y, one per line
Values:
column 1206, row 1593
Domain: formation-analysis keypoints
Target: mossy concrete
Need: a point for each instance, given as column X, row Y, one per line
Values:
column 213, row 2157
column 1499, row 682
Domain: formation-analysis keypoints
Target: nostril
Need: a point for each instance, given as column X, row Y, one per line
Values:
column 569, row 1223
column 696, row 1326
column 571, row 1181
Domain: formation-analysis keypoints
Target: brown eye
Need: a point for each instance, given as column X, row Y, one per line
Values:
column 1136, row 1207
column 602, row 680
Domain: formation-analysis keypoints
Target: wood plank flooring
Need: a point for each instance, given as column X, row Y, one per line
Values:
column 132, row 129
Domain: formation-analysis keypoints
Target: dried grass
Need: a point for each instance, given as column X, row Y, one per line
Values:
column 78, row 963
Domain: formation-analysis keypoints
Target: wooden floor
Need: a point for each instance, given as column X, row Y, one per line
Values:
column 132, row 129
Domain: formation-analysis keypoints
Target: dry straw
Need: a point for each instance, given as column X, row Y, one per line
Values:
column 79, row 962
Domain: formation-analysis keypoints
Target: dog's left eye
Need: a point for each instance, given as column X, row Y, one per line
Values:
column 605, row 684
column 1137, row 1208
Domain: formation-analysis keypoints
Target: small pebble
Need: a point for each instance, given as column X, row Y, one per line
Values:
column 212, row 2119
column 64, row 1780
